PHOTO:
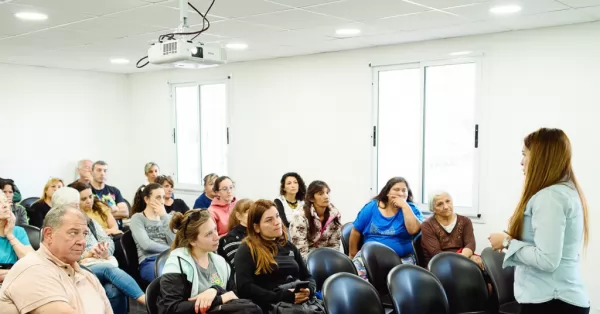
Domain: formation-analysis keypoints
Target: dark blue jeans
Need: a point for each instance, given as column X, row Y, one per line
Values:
column 107, row 273
column 118, row 301
column 147, row 268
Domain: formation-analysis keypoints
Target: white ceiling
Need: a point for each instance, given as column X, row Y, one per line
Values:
column 86, row 34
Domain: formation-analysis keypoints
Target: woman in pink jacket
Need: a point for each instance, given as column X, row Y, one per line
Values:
column 318, row 224
column 221, row 206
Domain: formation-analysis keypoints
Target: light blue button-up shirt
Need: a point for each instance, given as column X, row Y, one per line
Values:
column 547, row 258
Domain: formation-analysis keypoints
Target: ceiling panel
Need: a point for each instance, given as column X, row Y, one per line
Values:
column 470, row 29
column 89, row 7
column 478, row 12
column 442, row 4
column 11, row 25
column 360, row 10
column 235, row 28
column 160, row 16
column 53, row 39
column 594, row 12
column 401, row 37
column 233, row 8
column 366, row 29
column 294, row 19
column 114, row 28
column 287, row 38
column 415, row 21
column 581, row 3
column 302, row 3
column 563, row 17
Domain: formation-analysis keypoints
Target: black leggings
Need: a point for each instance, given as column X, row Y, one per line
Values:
column 554, row 306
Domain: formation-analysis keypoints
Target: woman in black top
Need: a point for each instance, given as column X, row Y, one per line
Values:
column 266, row 260
column 229, row 243
column 38, row 210
column 171, row 204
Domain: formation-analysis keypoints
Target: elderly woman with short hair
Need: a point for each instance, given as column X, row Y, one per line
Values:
column 447, row 231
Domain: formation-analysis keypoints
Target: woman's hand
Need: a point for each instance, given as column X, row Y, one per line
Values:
column 159, row 208
column 399, row 202
column 497, row 240
column 113, row 232
column 10, row 225
column 302, row 296
column 204, row 300
column 226, row 297
column 477, row 260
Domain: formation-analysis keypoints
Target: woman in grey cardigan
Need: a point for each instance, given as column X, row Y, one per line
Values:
column 150, row 227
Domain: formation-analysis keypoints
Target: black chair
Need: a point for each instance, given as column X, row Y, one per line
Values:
column 502, row 281
column 418, row 249
column 161, row 259
column 379, row 260
column 132, row 263
column 414, row 290
column 463, row 283
column 346, row 293
column 34, row 234
column 324, row 262
column 28, row 202
column 346, row 231
column 152, row 294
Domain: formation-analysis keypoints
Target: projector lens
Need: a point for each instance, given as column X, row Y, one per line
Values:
column 197, row 52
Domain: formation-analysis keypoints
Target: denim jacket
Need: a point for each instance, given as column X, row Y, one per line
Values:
column 546, row 259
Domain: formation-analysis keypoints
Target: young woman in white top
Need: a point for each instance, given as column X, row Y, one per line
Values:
column 291, row 196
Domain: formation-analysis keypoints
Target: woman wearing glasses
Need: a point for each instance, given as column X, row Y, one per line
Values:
column 222, row 204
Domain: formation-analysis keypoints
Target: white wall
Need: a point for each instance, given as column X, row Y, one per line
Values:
column 51, row 118
column 312, row 114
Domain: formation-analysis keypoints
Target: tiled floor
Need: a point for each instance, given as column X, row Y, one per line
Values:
column 135, row 308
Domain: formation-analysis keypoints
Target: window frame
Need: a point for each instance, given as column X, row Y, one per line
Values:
column 421, row 200
column 187, row 187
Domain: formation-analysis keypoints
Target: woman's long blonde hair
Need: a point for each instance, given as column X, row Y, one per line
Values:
column 549, row 164
column 50, row 182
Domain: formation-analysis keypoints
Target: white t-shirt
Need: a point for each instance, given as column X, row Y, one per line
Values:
column 289, row 212
column 451, row 226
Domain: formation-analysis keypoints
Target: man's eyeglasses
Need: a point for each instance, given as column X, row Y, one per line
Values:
column 227, row 188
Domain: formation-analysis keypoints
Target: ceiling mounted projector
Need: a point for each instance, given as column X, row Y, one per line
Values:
column 184, row 53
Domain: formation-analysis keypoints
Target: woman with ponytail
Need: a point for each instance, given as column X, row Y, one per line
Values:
column 547, row 229
column 95, row 208
column 194, row 278
column 266, row 261
column 319, row 223
column 149, row 226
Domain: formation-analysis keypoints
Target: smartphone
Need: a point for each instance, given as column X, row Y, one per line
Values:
column 301, row 285
column 6, row 266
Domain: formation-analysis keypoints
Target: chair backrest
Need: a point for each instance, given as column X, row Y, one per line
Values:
column 28, row 202
column 463, row 282
column 418, row 249
column 502, row 278
column 161, row 259
column 346, row 230
column 130, row 251
column 379, row 259
column 346, row 293
column 34, row 234
column 324, row 262
column 414, row 290
column 152, row 294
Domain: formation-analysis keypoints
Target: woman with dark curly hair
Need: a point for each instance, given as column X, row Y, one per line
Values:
column 291, row 196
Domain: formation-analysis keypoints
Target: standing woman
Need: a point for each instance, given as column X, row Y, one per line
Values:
column 203, row 201
column 152, row 171
column 150, row 227
column 319, row 223
column 171, row 204
column 547, row 229
column 291, row 196
column 38, row 210
column 221, row 206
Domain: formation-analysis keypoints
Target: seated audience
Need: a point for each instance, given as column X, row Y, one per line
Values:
column 229, row 243
column 171, row 204
column 106, row 193
column 14, row 243
column 446, row 231
column 206, row 282
column 152, row 171
column 204, row 200
column 390, row 218
column 70, row 196
column 149, row 227
column 266, row 260
column 318, row 225
column 84, row 169
column 291, row 196
column 19, row 211
column 95, row 209
column 17, row 193
column 41, row 207
column 221, row 205
column 50, row 279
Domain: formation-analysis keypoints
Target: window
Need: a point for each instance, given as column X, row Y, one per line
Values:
column 200, row 133
column 425, row 130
